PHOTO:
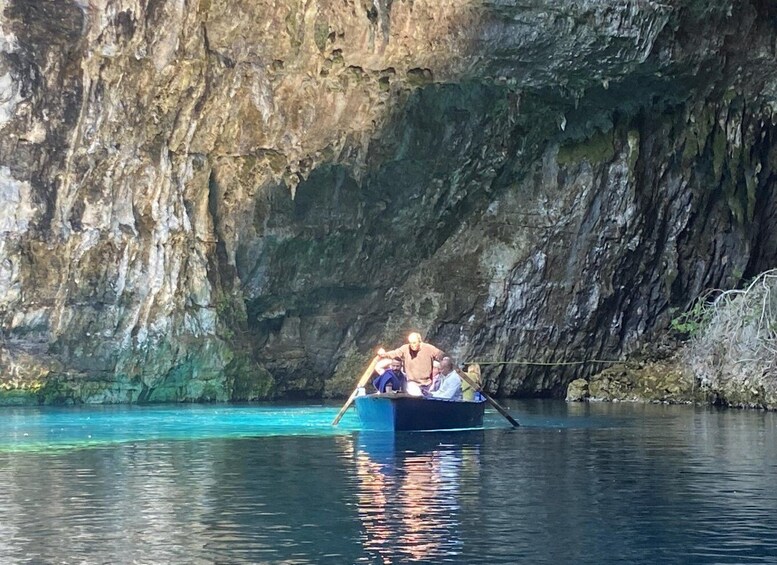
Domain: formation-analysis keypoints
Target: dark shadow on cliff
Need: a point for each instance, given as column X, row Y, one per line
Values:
column 367, row 246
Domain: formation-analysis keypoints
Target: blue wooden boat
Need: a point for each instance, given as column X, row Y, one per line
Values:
column 404, row 413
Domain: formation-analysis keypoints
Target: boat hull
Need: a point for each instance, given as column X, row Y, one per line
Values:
column 404, row 413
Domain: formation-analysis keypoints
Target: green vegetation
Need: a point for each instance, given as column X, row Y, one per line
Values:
column 691, row 322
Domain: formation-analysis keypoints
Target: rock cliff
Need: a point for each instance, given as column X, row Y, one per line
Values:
column 212, row 199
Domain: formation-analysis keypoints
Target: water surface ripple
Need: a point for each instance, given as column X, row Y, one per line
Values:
column 277, row 484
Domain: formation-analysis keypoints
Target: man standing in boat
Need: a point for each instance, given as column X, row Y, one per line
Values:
column 417, row 358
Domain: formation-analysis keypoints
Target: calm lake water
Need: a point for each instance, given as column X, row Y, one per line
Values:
column 599, row 483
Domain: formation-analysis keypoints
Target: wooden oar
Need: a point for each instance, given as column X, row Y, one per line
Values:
column 361, row 382
column 490, row 400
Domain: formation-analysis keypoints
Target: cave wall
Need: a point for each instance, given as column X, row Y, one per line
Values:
column 213, row 200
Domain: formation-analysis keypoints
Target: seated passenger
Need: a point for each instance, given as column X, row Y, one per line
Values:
column 467, row 391
column 392, row 379
column 450, row 382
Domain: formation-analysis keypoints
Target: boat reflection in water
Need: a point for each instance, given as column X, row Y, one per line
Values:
column 410, row 492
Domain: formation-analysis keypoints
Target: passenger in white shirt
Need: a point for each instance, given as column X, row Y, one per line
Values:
column 450, row 382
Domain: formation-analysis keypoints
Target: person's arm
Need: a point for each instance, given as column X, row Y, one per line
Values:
column 390, row 354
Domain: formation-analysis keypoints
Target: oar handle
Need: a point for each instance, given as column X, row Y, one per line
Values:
column 490, row 400
column 360, row 383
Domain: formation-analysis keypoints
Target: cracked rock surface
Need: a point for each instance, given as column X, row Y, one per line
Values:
column 213, row 200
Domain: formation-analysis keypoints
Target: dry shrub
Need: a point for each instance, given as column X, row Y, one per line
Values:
column 736, row 342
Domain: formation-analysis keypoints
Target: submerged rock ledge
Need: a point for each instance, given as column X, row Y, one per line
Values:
column 230, row 200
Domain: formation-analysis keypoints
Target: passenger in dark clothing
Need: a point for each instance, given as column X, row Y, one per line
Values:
column 393, row 379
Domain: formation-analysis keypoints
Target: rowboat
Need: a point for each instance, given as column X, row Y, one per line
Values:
column 404, row 413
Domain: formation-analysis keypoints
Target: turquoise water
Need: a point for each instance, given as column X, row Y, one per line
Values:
column 40, row 429
column 600, row 483
column 47, row 428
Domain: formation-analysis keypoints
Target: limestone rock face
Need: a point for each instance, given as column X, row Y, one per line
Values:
column 215, row 199
column 577, row 391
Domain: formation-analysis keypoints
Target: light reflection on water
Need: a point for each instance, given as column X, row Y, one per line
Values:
column 409, row 496
column 576, row 484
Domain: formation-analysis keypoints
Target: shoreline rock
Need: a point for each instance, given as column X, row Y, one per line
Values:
column 668, row 381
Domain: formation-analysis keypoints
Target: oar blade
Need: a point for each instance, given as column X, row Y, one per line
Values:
column 513, row 422
column 360, row 383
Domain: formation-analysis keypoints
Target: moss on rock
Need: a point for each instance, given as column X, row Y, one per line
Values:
column 577, row 391
column 349, row 369
column 664, row 381
column 17, row 397
column 598, row 148
column 248, row 380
